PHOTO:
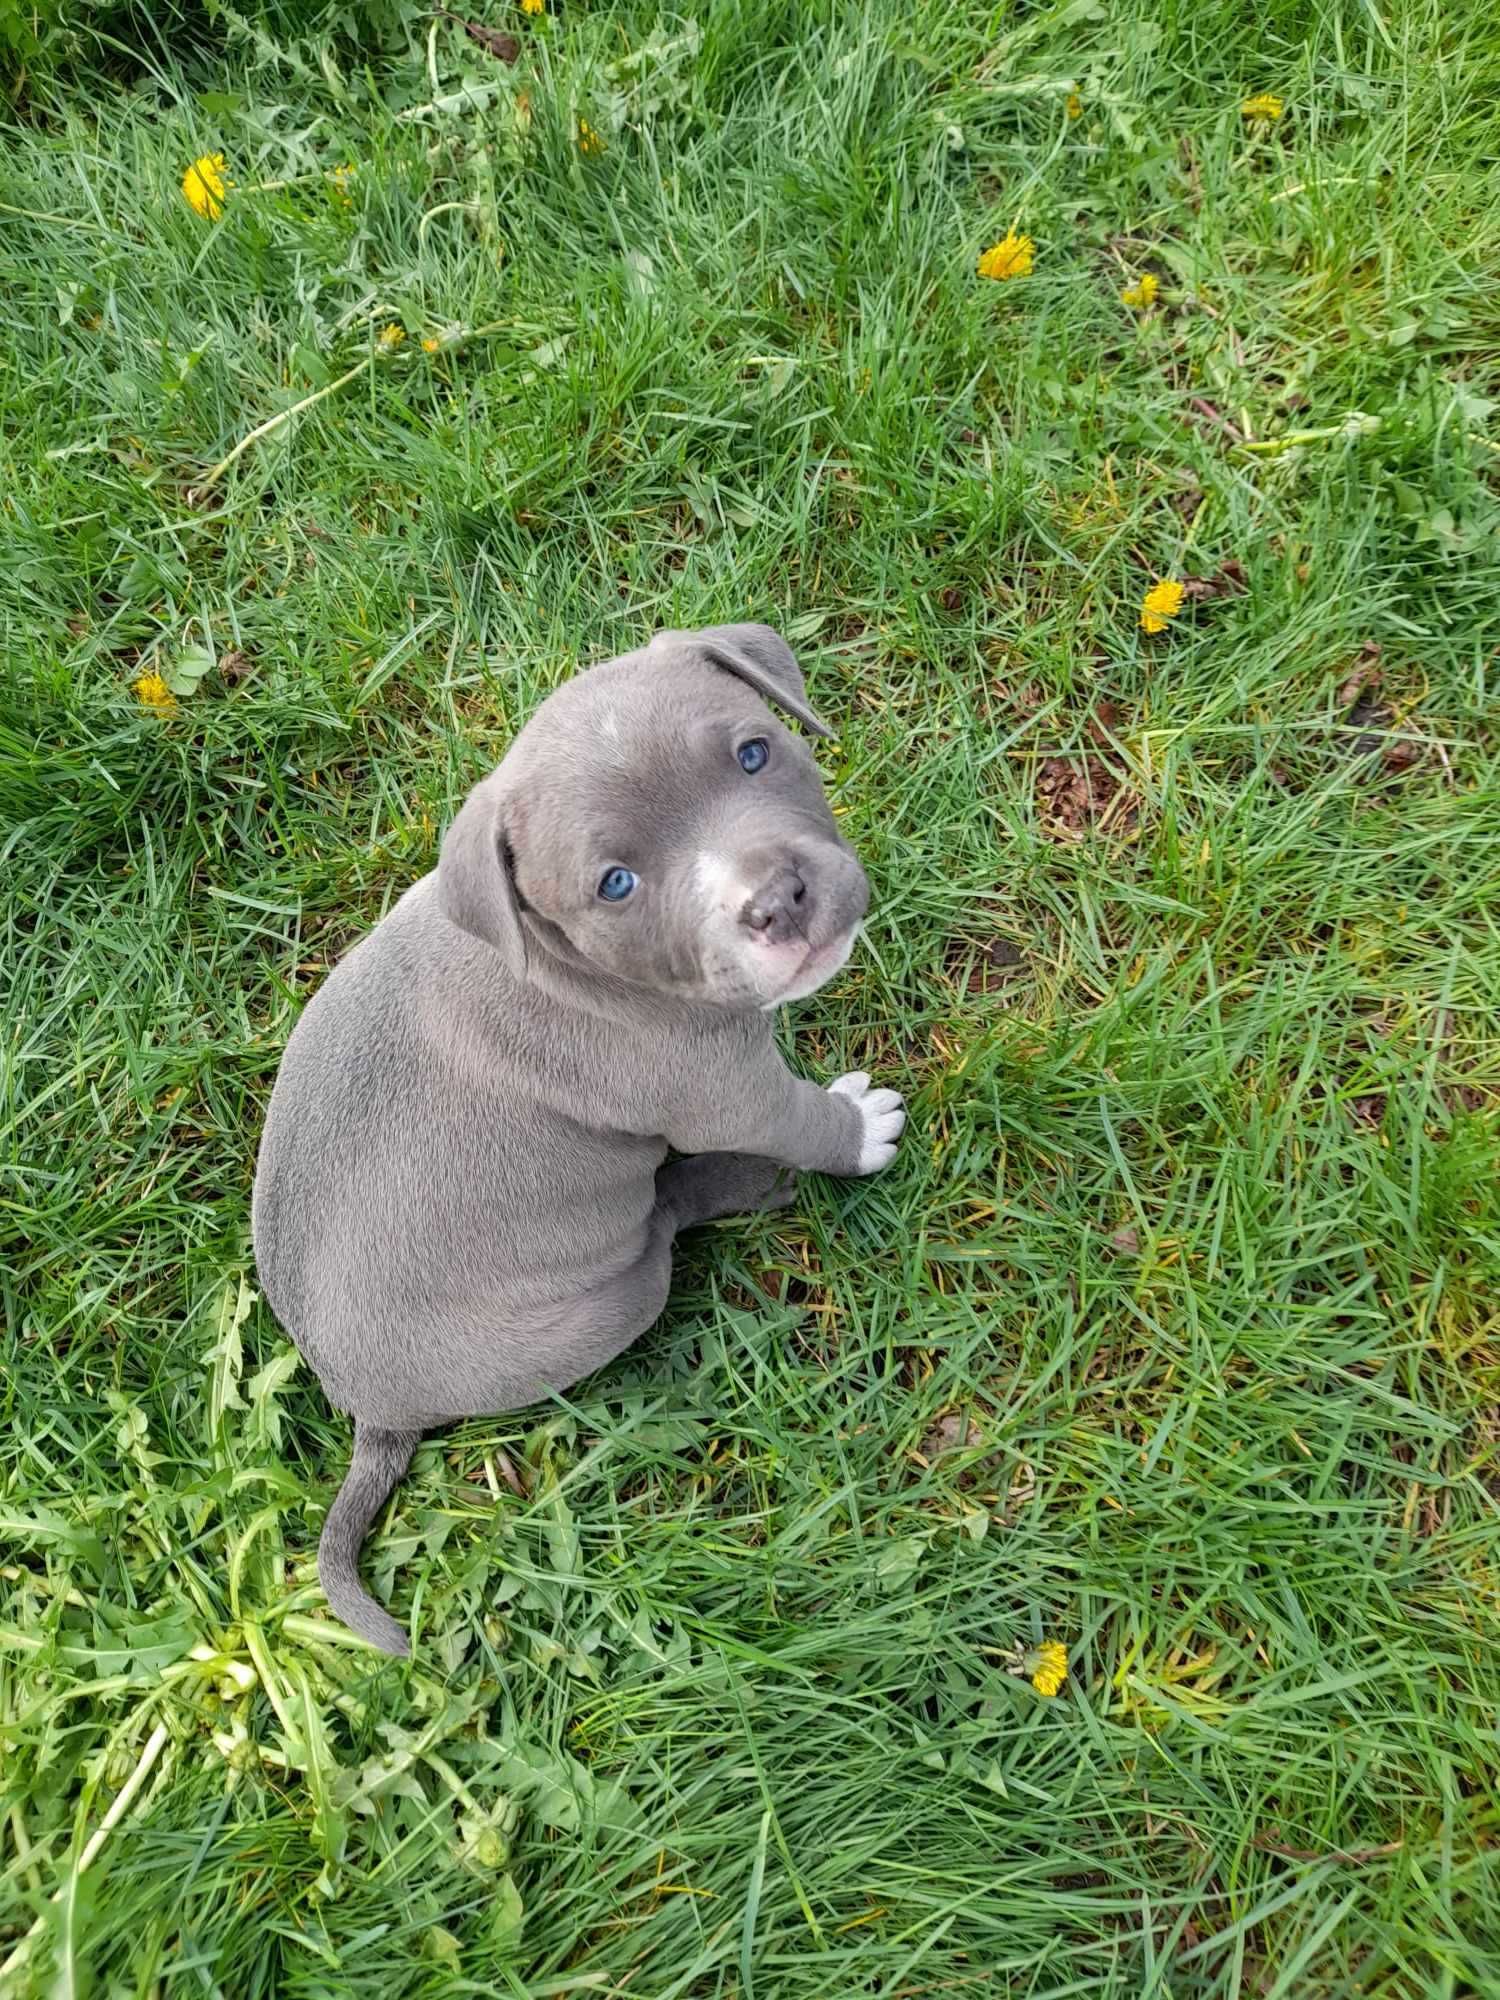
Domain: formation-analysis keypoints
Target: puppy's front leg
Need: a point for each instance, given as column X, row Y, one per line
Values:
column 849, row 1128
column 708, row 1185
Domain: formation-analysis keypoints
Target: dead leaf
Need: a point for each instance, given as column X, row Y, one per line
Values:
column 234, row 666
column 1366, row 673
column 1228, row 580
column 1186, row 500
column 494, row 41
column 499, row 1462
column 982, row 968
column 1364, row 710
column 508, row 1473
column 1104, row 722
column 1190, row 169
column 1359, row 696
column 1026, row 699
column 1126, row 1241
column 1074, row 793
column 952, row 1433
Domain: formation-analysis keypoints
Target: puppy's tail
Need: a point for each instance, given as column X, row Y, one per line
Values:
column 380, row 1458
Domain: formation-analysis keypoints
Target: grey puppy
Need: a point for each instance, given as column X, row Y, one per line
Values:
column 463, row 1198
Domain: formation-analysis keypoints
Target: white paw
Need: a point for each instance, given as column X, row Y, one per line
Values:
column 883, row 1116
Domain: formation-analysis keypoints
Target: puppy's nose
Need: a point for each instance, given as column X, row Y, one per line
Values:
column 777, row 909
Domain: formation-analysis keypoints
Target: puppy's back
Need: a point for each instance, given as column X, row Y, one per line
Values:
column 430, row 1183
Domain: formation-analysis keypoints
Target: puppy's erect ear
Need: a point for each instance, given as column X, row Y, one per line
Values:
column 475, row 888
column 760, row 657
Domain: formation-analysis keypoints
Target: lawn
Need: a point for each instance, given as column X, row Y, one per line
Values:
column 1172, row 1336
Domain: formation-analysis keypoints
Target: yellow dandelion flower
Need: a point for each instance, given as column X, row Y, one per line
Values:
column 1009, row 258
column 533, row 6
column 1265, row 104
column 391, row 337
column 1160, row 605
column 152, row 692
column 1142, row 294
column 1075, row 105
column 589, row 140
column 204, row 186
column 1049, row 1667
column 430, row 345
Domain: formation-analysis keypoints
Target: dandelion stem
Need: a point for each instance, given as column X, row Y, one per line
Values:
column 24, row 1849
column 1355, row 425
column 123, row 1801
column 452, row 1780
column 41, row 215
column 318, row 1632
column 124, row 1797
column 216, row 473
column 443, row 208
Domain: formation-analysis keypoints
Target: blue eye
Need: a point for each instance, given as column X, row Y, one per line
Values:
column 617, row 885
column 754, row 755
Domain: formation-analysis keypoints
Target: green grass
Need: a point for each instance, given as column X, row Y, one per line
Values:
column 1191, row 1251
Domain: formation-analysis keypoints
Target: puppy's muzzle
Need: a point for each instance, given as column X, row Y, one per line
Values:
column 779, row 906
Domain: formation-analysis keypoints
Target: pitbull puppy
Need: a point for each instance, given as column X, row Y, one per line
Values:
column 462, row 1199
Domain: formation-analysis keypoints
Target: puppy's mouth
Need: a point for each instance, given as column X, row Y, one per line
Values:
column 818, row 965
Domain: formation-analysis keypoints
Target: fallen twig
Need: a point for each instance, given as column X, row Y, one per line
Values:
column 1351, row 1857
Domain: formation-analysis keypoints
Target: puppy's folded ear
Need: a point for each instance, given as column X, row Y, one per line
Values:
column 475, row 887
column 760, row 657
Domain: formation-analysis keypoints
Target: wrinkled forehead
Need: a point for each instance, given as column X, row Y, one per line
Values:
column 631, row 705
column 634, row 752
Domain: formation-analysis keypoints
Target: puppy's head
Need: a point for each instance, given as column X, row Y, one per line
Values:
column 656, row 819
